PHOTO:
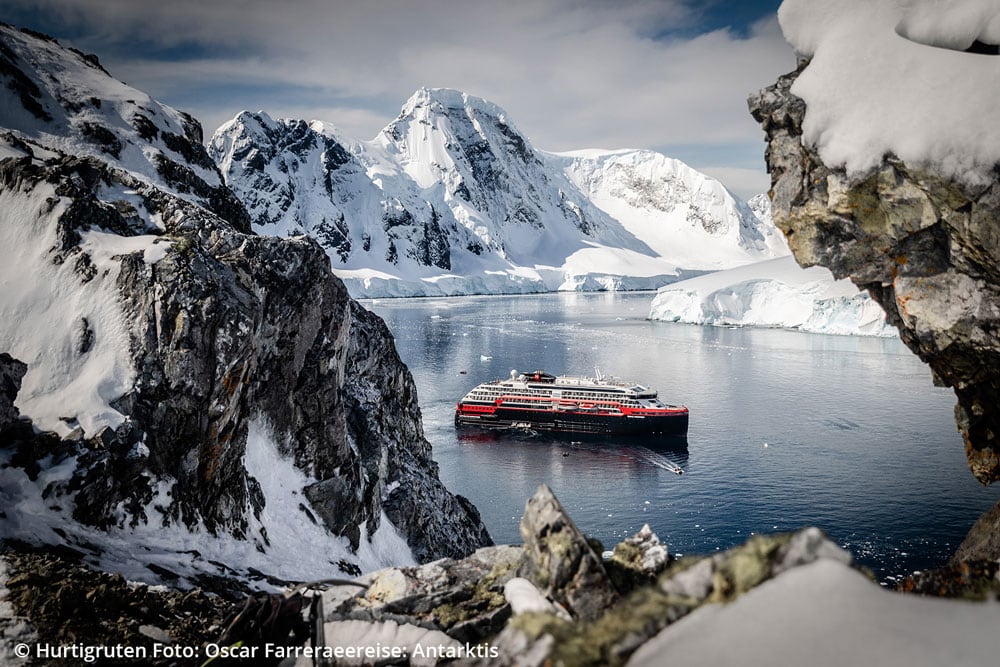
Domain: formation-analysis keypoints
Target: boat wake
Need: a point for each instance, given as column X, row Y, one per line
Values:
column 658, row 459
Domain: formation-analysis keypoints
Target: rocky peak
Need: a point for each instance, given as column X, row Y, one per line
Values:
column 213, row 383
column 472, row 123
column 449, row 186
column 69, row 104
column 452, row 198
column 472, row 138
column 561, row 561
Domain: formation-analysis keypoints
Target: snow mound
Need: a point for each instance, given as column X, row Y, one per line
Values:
column 773, row 293
column 827, row 615
column 892, row 77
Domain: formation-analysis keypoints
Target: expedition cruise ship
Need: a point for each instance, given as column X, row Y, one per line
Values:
column 568, row 404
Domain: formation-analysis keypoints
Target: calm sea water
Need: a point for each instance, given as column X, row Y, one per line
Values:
column 787, row 429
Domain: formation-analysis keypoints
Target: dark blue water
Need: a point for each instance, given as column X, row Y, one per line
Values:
column 787, row 429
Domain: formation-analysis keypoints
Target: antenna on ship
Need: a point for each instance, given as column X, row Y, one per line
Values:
column 598, row 372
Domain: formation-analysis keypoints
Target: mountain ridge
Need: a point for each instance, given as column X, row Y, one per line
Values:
column 451, row 198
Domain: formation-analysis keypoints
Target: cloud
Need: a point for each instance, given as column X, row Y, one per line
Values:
column 571, row 73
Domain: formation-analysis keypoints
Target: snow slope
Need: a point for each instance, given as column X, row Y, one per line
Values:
column 451, row 198
column 65, row 323
column 67, row 102
column 679, row 212
column 274, row 544
column 773, row 293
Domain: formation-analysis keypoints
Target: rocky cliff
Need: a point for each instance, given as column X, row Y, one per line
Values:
column 181, row 385
column 924, row 245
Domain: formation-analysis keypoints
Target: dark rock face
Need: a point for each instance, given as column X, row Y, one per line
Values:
column 229, row 327
column 296, row 351
column 11, row 372
column 277, row 167
column 926, row 248
column 226, row 331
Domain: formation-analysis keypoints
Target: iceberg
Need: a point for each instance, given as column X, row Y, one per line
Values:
column 773, row 293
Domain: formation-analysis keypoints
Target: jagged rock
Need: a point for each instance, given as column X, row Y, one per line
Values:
column 194, row 334
column 638, row 560
column 463, row 598
column 618, row 630
column 806, row 546
column 925, row 247
column 11, row 372
column 983, row 540
column 723, row 577
column 473, row 611
column 560, row 561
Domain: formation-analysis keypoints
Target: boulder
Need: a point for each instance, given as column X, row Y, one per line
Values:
column 560, row 561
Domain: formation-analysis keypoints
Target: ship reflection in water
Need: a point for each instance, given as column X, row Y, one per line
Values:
column 664, row 452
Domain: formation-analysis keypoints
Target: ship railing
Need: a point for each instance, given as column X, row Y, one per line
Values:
column 545, row 400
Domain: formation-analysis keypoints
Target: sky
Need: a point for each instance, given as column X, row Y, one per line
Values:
column 668, row 75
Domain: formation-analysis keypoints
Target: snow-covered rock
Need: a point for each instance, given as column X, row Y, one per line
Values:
column 773, row 293
column 182, row 397
column 901, row 78
column 882, row 149
column 828, row 614
column 451, row 198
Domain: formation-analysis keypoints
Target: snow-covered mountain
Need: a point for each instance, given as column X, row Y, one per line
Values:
column 450, row 198
column 682, row 214
column 179, row 396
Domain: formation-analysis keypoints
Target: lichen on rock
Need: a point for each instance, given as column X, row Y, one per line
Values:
column 925, row 246
column 559, row 559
